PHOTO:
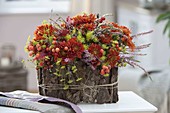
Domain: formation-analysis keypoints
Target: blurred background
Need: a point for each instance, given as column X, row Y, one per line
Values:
column 19, row 18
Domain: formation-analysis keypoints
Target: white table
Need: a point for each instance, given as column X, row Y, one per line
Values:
column 128, row 102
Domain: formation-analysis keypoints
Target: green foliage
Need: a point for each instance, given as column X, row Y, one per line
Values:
column 50, row 39
column 95, row 39
column 124, row 64
column 74, row 69
column 45, row 22
column 45, row 35
column 62, row 67
column 79, row 79
column 68, row 37
column 74, row 31
column 43, row 46
column 165, row 17
column 70, row 81
column 27, row 43
column 89, row 35
column 106, row 75
column 68, row 73
column 35, row 43
column 81, row 38
column 58, row 61
column 104, row 46
column 103, row 58
column 57, row 74
column 62, row 80
column 85, row 46
column 66, row 87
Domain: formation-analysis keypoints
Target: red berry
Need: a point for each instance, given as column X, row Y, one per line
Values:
column 38, row 45
column 41, row 64
column 57, row 50
column 53, row 50
column 39, row 48
column 54, row 38
column 66, row 48
column 103, row 18
column 119, row 48
column 101, row 51
column 30, row 48
column 54, row 42
column 31, row 53
column 47, row 49
column 107, row 70
column 37, row 55
column 104, row 67
column 102, row 72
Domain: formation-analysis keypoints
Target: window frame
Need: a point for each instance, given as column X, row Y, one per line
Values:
column 34, row 6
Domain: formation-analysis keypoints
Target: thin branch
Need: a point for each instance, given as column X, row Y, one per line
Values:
column 143, row 46
column 140, row 34
column 109, row 14
column 55, row 22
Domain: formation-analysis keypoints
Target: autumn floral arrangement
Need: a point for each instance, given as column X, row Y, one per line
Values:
column 81, row 55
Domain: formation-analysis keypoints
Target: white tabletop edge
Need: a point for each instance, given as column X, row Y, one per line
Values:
column 119, row 106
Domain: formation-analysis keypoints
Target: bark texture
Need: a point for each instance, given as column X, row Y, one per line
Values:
column 93, row 88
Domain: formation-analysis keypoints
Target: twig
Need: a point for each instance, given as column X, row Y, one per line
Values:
column 140, row 34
